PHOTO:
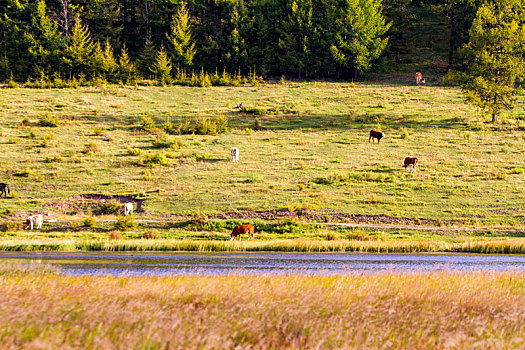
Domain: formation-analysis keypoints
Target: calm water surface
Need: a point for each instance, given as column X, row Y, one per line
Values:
column 184, row 263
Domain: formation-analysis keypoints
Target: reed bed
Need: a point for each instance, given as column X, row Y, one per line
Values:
column 504, row 246
column 449, row 310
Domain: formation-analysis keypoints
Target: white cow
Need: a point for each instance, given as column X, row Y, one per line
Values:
column 235, row 155
column 34, row 220
column 128, row 208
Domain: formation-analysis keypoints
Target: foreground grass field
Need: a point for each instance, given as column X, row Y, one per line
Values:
column 450, row 310
column 310, row 159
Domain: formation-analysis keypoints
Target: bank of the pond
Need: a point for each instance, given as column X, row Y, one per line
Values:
column 504, row 246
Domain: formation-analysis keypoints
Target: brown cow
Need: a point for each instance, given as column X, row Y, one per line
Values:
column 376, row 135
column 412, row 162
column 419, row 78
column 242, row 229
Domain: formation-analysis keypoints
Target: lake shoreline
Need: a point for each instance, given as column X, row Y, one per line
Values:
column 499, row 246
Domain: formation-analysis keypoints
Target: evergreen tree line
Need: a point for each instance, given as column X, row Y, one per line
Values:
column 166, row 40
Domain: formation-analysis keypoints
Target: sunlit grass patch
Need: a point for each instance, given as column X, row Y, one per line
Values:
column 310, row 146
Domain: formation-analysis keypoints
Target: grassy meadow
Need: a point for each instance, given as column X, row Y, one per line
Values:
column 309, row 160
column 42, row 309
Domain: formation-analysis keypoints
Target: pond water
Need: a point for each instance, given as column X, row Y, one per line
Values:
column 190, row 263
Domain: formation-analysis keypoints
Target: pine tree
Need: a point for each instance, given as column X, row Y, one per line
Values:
column 127, row 70
column 110, row 65
column 97, row 62
column 79, row 49
column 495, row 56
column 147, row 57
column 294, row 43
column 180, row 38
column 162, row 67
column 359, row 27
column 46, row 44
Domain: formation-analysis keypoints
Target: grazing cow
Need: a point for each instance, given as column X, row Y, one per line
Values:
column 4, row 189
column 32, row 220
column 242, row 229
column 235, row 155
column 419, row 78
column 411, row 162
column 376, row 135
column 128, row 208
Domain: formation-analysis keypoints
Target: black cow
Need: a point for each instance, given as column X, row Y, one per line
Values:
column 4, row 189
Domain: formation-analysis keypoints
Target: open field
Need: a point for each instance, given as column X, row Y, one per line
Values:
column 311, row 162
column 451, row 310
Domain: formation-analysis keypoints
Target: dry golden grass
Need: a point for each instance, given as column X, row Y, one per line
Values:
column 114, row 243
column 418, row 311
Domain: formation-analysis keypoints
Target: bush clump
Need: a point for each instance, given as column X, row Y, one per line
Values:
column 353, row 177
column 47, row 120
column 203, row 126
column 90, row 148
column 152, row 159
column 111, row 207
column 115, row 235
column 150, row 235
column 162, row 141
column 90, row 222
column 146, row 123
column 10, row 226
column 125, row 223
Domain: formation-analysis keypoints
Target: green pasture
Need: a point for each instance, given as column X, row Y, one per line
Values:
column 312, row 153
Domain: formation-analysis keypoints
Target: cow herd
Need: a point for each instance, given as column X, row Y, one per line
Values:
column 410, row 164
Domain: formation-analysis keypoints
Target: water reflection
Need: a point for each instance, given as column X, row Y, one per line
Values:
column 162, row 264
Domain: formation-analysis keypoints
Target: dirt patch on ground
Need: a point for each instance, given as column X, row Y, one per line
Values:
column 321, row 216
column 98, row 204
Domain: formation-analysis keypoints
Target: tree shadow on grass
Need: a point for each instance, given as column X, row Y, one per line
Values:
column 314, row 122
column 212, row 160
column 385, row 171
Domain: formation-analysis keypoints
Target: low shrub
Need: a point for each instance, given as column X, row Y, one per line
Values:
column 150, row 235
column 47, row 120
column 203, row 126
column 146, row 123
column 55, row 159
column 10, row 226
column 330, row 236
column 12, row 84
column 111, row 207
column 90, row 148
column 161, row 141
column 353, row 177
column 152, row 159
column 168, row 127
column 125, row 223
column 90, row 222
column 27, row 172
column 115, row 235
column 253, row 110
column 134, row 151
